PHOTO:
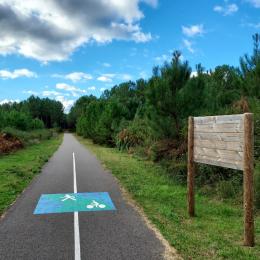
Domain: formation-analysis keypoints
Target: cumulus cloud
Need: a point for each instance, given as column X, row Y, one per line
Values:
column 194, row 74
column 106, row 77
column 67, row 103
column 52, row 29
column 74, row 91
column 78, row 76
column 18, row 73
column 74, row 76
column 193, row 30
column 226, row 10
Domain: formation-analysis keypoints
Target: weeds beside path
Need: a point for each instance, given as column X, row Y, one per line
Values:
column 215, row 233
column 18, row 169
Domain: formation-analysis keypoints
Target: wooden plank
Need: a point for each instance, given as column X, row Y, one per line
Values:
column 219, row 128
column 219, row 119
column 227, row 137
column 249, row 237
column 191, row 169
column 219, row 154
column 220, row 159
column 237, row 165
column 231, row 146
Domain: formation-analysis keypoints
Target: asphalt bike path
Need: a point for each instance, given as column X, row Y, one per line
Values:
column 99, row 234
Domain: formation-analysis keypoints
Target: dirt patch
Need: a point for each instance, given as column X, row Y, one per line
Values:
column 9, row 143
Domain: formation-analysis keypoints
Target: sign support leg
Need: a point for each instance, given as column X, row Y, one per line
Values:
column 191, row 169
column 249, row 239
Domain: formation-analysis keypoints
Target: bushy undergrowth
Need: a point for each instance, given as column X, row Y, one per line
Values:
column 30, row 137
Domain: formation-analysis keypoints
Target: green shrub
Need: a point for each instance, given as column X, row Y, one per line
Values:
column 29, row 137
column 177, row 169
column 135, row 134
column 18, row 120
column 81, row 126
column 226, row 189
column 36, row 124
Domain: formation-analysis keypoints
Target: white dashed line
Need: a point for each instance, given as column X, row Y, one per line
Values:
column 76, row 216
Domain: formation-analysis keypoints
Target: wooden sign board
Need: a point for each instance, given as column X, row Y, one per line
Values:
column 225, row 141
column 219, row 140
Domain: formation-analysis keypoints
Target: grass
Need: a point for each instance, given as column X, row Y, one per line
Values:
column 215, row 233
column 18, row 169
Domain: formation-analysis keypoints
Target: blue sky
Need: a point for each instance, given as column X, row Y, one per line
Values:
column 63, row 49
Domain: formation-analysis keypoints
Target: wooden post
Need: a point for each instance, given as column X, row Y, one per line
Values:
column 248, row 180
column 191, row 168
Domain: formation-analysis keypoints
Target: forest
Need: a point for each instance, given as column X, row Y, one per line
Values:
column 148, row 118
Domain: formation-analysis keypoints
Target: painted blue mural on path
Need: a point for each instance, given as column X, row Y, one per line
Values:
column 73, row 202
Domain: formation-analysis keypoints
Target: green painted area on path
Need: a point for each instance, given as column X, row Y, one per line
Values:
column 73, row 202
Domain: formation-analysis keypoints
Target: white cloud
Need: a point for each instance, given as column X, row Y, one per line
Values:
column 226, row 10
column 102, row 89
column 74, row 91
column 106, row 77
column 194, row 74
column 92, row 88
column 51, row 30
column 67, row 103
column 78, row 76
column 188, row 45
column 193, row 30
column 18, row 73
column 74, row 76
column 6, row 101
column 255, row 3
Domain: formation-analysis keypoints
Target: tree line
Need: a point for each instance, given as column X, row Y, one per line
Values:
column 147, row 111
column 33, row 113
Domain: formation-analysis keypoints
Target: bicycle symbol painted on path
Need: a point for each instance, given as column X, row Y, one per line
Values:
column 74, row 202
column 95, row 204
column 67, row 197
